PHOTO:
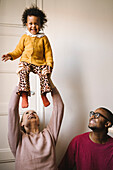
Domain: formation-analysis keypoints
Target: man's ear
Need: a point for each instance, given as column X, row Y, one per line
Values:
column 108, row 124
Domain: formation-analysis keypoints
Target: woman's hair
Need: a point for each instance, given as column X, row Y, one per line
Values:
column 22, row 127
column 34, row 11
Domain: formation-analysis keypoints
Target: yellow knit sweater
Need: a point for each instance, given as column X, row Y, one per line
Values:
column 34, row 50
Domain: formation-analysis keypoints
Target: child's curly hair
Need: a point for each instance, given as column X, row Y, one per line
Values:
column 34, row 11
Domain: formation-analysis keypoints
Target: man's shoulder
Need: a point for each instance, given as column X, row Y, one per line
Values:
column 81, row 137
column 110, row 139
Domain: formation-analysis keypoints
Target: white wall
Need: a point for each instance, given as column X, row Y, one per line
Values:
column 81, row 34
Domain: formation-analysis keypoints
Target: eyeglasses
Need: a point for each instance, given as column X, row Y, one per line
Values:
column 97, row 115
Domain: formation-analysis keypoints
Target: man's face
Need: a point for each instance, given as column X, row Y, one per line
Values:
column 98, row 123
column 30, row 117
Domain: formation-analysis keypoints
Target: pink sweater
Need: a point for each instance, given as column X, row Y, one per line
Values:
column 87, row 155
column 34, row 151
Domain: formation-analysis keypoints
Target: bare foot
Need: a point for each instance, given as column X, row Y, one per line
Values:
column 24, row 100
column 45, row 100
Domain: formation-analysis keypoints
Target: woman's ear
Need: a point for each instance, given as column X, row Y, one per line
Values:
column 108, row 124
column 23, row 129
column 21, row 124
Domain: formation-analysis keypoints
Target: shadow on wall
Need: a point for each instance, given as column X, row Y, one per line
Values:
column 75, row 119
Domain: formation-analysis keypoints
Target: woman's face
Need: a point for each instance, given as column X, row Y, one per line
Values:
column 33, row 24
column 30, row 117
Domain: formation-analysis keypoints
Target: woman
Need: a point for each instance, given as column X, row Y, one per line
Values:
column 34, row 150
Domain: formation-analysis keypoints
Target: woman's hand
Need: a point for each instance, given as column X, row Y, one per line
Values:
column 47, row 70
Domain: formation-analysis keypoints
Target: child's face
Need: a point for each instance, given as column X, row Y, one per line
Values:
column 33, row 24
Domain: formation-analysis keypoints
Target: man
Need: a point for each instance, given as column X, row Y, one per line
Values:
column 34, row 150
column 92, row 150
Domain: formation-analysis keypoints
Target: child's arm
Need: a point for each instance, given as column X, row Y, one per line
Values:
column 19, row 49
column 6, row 57
column 48, row 53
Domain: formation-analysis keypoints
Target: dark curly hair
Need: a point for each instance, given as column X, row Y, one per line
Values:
column 110, row 114
column 34, row 11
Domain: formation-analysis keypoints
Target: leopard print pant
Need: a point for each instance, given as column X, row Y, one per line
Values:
column 23, row 72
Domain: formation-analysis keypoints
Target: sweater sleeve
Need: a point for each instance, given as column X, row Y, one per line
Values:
column 18, row 50
column 13, row 122
column 48, row 52
column 57, row 114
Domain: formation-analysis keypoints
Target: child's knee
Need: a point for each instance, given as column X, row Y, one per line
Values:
column 23, row 68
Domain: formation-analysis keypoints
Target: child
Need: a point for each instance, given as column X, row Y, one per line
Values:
column 36, row 55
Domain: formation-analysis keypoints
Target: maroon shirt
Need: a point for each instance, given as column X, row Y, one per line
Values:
column 87, row 155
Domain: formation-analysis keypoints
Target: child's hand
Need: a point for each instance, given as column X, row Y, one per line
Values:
column 6, row 57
